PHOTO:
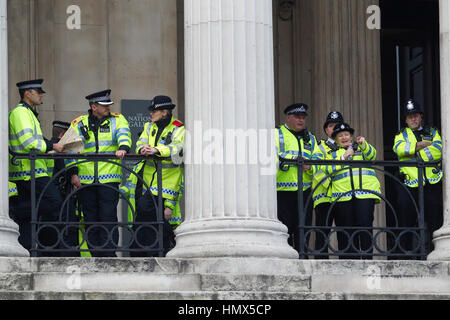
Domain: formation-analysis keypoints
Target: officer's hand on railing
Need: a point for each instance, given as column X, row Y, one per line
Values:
column 120, row 154
column 75, row 180
column 58, row 147
column 168, row 213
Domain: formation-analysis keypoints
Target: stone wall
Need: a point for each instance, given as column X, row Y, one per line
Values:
column 127, row 46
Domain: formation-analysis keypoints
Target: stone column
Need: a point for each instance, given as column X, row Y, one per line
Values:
column 229, row 180
column 9, row 246
column 442, row 236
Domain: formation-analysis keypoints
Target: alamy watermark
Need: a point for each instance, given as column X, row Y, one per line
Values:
column 73, row 22
column 374, row 20
column 74, row 280
column 213, row 146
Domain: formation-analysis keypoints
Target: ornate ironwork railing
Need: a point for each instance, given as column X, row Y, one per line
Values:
column 63, row 225
column 396, row 233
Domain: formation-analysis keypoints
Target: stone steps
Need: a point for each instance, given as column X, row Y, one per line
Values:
column 221, row 279
column 211, row 295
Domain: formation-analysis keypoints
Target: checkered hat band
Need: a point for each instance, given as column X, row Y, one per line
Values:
column 297, row 110
column 163, row 105
column 99, row 99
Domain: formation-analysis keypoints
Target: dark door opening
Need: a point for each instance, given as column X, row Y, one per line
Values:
column 409, row 69
column 409, row 63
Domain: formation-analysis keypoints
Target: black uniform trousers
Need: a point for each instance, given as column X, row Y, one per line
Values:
column 354, row 213
column 48, row 212
column 99, row 207
column 146, row 229
column 408, row 216
column 288, row 214
column 322, row 235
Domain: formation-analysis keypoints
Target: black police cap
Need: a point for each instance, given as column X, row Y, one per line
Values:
column 333, row 116
column 102, row 98
column 61, row 124
column 297, row 108
column 412, row 107
column 161, row 103
column 31, row 84
column 341, row 127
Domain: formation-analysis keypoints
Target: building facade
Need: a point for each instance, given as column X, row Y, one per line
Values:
column 234, row 65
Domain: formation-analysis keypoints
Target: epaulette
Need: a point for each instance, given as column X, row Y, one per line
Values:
column 178, row 123
column 115, row 114
column 76, row 121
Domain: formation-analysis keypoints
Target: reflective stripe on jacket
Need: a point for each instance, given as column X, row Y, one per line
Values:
column 343, row 185
column 170, row 144
column 113, row 133
column 405, row 147
column 25, row 135
column 288, row 148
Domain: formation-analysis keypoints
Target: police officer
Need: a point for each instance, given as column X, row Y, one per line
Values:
column 350, row 188
column 25, row 135
column 294, row 140
column 162, row 137
column 322, row 189
column 105, row 132
column 418, row 141
column 69, row 231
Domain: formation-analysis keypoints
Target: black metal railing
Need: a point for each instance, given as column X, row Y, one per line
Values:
column 397, row 233
column 62, row 226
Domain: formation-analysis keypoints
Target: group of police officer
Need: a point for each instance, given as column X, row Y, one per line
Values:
column 96, row 184
column 340, row 194
column 348, row 196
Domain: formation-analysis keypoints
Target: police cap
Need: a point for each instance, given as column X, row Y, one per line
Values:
column 61, row 124
column 341, row 127
column 412, row 107
column 297, row 108
column 102, row 98
column 333, row 116
column 161, row 103
column 31, row 84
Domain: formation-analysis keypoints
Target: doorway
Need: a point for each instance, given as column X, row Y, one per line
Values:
column 409, row 69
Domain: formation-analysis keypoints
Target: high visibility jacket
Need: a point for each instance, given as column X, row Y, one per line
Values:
column 12, row 190
column 129, row 190
column 288, row 147
column 113, row 133
column 405, row 148
column 169, row 144
column 343, row 185
column 25, row 135
column 322, row 193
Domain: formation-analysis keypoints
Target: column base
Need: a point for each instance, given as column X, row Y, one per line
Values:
column 441, row 240
column 9, row 244
column 232, row 237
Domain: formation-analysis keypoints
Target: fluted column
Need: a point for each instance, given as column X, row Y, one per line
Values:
column 9, row 245
column 442, row 236
column 230, row 179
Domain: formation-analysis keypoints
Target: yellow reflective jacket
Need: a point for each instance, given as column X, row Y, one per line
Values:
column 405, row 148
column 25, row 135
column 113, row 133
column 288, row 147
column 341, row 179
column 12, row 190
column 170, row 144
column 322, row 193
column 129, row 191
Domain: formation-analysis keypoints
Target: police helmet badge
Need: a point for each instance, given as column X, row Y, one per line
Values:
column 410, row 105
column 334, row 115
